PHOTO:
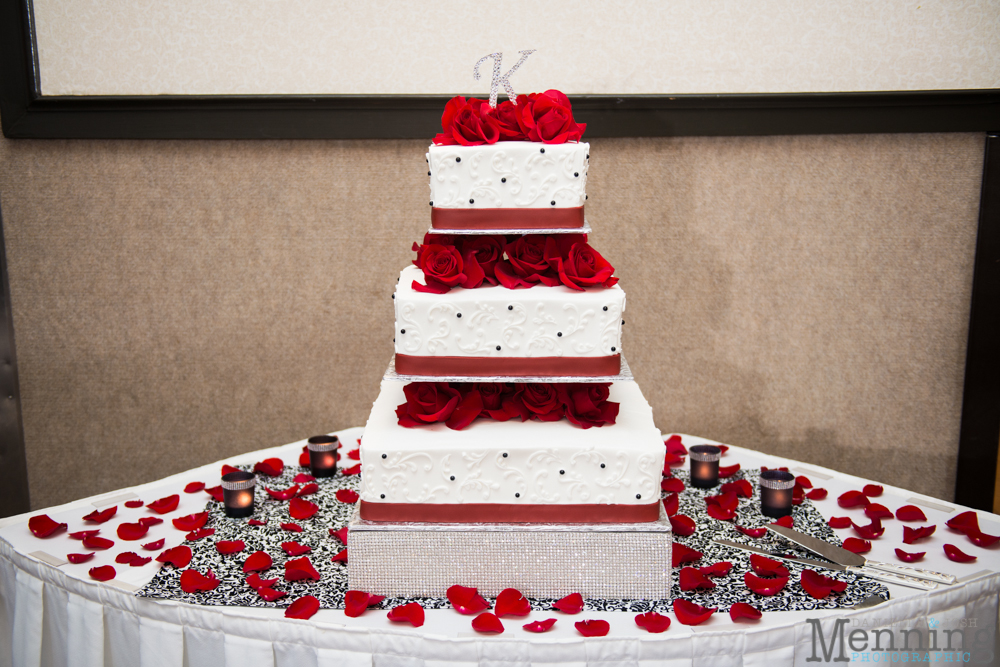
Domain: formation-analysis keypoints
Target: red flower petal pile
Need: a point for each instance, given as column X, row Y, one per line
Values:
column 652, row 622
column 968, row 523
column 102, row 515
column 689, row 613
column 466, row 600
column 818, row 586
column 544, row 117
column 511, row 602
column 571, row 604
column 692, row 579
column 911, row 535
column 487, row 622
column 270, row 467
column 592, row 627
column 411, row 613
column 740, row 487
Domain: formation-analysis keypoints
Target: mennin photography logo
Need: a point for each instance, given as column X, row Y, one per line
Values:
column 886, row 641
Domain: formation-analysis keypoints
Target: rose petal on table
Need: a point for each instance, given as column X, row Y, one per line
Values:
column 742, row 611
column 767, row 567
column 964, row 522
column 299, row 569
column 719, row 569
column 304, row 608
column 304, row 461
column 818, row 493
column 910, row 513
column 97, row 543
column 466, row 600
column 680, row 554
column 256, row 522
column 671, row 461
column 353, row 470
column 872, row 490
column 872, row 531
column 193, row 581
column 132, row 504
column 720, row 513
column 126, row 557
column 876, row 511
column 592, row 627
column 818, row 586
column 804, row 482
column 102, row 573
column 411, row 613
column 674, row 445
column 131, row 532
column 354, row 454
column 782, row 468
column 43, row 525
column 751, row 532
column 139, row 561
column 295, row 549
column 76, row 559
column 981, row 539
column 487, row 622
column 226, row 469
column 852, row 499
column 83, row 534
column 195, row 535
column 340, row 534
column 727, row 501
column 672, row 485
column 191, row 521
column 671, row 504
column 348, row 496
column 291, row 527
column 194, row 487
column 356, row 602
column 308, row 489
column 255, row 582
column 571, row 604
column 682, row 525
column 149, row 521
column 177, row 556
column 226, row 547
column 257, row 561
column 692, row 579
column 216, row 493
column 165, row 505
column 540, row 626
column 100, row 516
column 957, row 555
column 156, row 545
column 857, row 546
column 740, row 487
column 911, row 535
column 689, row 613
column 301, row 510
column 511, row 602
column 283, row 494
column 270, row 594
column 908, row 557
column 798, row 495
column 340, row 557
column 840, row 522
column 762, row 586
column 729, row 471
column 271, row 467
column 786, row 521
column 653, row 622
column 303, row 477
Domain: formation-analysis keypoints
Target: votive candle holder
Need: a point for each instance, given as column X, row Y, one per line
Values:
column 323, row 455
column 237, row 493
column 704, row 465
column 776, row 493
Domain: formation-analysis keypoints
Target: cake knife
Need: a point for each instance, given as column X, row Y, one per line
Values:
column 850, row 559
column 880, row 575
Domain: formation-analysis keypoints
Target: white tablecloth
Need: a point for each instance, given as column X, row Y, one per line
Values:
column 57, row 615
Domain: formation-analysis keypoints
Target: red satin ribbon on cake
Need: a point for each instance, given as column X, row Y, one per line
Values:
column 508, row 513
column 517, row 366
column 507, row 218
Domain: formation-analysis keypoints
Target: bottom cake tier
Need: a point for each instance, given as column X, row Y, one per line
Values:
column 599, row 561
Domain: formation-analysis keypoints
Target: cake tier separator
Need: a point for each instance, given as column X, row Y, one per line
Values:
column 586, row 229
column 333, row 583
column 624, row 375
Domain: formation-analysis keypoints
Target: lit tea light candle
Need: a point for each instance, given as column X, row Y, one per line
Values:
column 704, row 465
column 776, row 493
column 323, row 455
column 237, row 493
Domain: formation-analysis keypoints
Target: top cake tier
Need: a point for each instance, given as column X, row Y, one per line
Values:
column 508, row 186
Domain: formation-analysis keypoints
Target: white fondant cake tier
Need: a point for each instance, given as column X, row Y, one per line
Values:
column 513, row 464
column 509, row 174
column 495, row 323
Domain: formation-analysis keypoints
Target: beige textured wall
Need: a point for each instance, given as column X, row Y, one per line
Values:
column 179, row 302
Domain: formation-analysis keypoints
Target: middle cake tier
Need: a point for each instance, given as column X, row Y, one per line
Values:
column 494, row 331
column 512, row 471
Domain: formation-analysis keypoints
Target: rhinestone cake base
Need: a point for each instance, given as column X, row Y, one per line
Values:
column 600, row 561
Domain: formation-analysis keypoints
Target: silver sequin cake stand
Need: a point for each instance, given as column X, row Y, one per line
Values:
column 600, row 561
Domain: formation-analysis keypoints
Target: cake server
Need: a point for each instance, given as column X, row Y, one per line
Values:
column 850, row 559
column 880, row 575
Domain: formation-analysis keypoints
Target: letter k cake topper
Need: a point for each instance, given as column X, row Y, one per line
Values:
column 501, row 80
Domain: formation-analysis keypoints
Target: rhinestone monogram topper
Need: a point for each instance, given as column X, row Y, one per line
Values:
column 499, row 80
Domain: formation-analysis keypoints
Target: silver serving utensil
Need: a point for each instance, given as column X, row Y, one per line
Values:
column 871, row 573
column 850, row 559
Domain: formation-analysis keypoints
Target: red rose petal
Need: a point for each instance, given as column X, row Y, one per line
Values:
column 165, row 505
column 257, row 561
column 255, row 582
column 767, row 567
column 571, row 604
column 671, row 461
column 291, row 527
column 804, row 482
column 682, row 525
column 680, row 554
column 911, row 535
column 256, row 522
column 178, row 556
column 876, row 511
column 762, row 586
column 226, row 469
column 84, row 534
column 726, row 501
column 852, row 499
column 724, row 448
column 132, row 531
column 785, row 521
column 156, row 545
column 910, row 513
column 340, row 534
column 510, row 602
column 411, row 613
column 466, row 600
column 872, row 531
column 43, row 526
column 149, row 521
column 354, row 454
column 818, row 586
column 816, row 494
column 270, row 467
column 690, row 613
column 840, row 522
column 102, row 573
column 101, row 516
column 740, row 487
column 126, row 557
column 957, row 555
column 908, row 557
column 691, row 579
column 227, row 547
column 671, row 504
column 193, row 581
column 592, row 627
column 355, row 603
column 672, row 485
column 652, row 622
column 347, row 496
column 872, row 490
column 341, row 557
column 308, row 489
column 194, row 487
column 741, row 610
column 729, row 471
column 139, row 561
column 270, row 594
column 132, row 504
column 301, row 510
column 216, row 493
column 719, row 569
column 191, row 521
column 76, row 559
column 487, row 622
column 299, row 569
column 674, row 445
column 295, row 549
column 304, row 459
column 751, row 532
column 717, row 512
column 981, row 539
column 97, row 543
column 303, row 477
column 303, row 608
column 854, row 545
column 283, row 494
column 195, row 535
column 353, row 470
column 540, row 626
column 798, row 495
column 964, row 522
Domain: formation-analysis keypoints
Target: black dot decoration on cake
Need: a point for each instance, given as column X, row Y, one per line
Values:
column 562, row 472
column 576, row 174
column 453, row 478
column 517, row 495
column 432, row 203
column 605, row 307
column 505, row 454
column 612, row 349
column 559, row 334
column 542, row 150
column 458, row 315
column 553, row 202
column 385, row 456
column 510, row 307
column 503, row 180
column 393, row 296
column 623, row 322
column 382, row 496
column 472, row 201
column 498, row 348
column 402, row 331
column 638, row 496
column 588, row 156
column 428, row 173
column 458, row 159
column 602, row 465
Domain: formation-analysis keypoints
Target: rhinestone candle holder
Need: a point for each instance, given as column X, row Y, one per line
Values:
column 323, row 455
column 704, row 465
column 776, row 493
column 237, row 493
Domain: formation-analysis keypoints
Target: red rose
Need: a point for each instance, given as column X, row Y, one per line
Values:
column 467, row 122
column 482, row 251
column 499, row 403
column 426, row 403
column 506, row 116
column 584, row 267
column 542, row 401
column 442, row 266
column 548, row 117
column 526, row 264
column 587, row 403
